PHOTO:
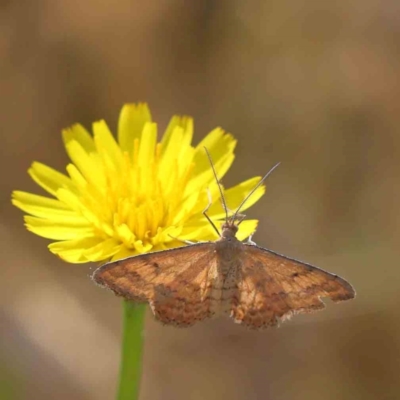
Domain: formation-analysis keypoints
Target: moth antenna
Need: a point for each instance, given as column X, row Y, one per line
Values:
column 254, row 189
column 218, row 183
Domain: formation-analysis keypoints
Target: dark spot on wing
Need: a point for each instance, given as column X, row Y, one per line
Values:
column 260, row 285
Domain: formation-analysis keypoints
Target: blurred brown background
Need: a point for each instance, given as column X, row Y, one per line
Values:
column 312, row 84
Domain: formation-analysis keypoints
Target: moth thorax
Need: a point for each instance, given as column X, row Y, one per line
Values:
column 229, row 230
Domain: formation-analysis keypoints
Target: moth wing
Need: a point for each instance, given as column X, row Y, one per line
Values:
column 175, row 282
column 272, row 287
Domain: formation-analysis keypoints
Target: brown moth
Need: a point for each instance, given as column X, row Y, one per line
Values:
column 256, row 287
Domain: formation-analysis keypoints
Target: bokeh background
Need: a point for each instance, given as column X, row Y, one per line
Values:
column 315, row 85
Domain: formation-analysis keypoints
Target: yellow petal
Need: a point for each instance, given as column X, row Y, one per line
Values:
column 130, row 125
column 199, row 232
column 72, row 256
column 219, row 144
column 126, row 236
column 185, row 123
column 234, row 197
column 87, row 165
column 72, row 250
column 185, row 208
column 168, row 164
column 106, row 144
column 238, row 193
column 166, row 235
column 141, row 247
column 103, row 251
column 89, row 213
column 58, row 231
column 76, row 177
column 206, row 178
column 147, row 146
column 50, row 179
column 71, row 200
column 124, row 253
column 169, row 245
column 30, row 202
column 46, row 208
column 79, row 134
column 247, row 228
column 203, row 231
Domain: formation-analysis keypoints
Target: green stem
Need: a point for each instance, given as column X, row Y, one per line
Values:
column 131, row 355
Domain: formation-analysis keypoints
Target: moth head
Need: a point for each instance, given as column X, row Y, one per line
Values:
column 229, row 230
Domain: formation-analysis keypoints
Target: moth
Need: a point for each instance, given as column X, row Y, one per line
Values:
column 254, row 286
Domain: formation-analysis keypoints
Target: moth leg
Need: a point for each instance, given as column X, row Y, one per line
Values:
column 250, row 241
column 206, row 209
column 188, row 242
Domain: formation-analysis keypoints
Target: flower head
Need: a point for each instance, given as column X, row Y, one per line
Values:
column 133, row 195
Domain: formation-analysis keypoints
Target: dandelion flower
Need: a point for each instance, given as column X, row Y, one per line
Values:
column 132, row 195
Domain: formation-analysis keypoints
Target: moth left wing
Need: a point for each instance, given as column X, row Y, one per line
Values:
column 176, row 283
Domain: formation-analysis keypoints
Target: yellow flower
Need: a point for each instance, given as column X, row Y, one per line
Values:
column 134, row 195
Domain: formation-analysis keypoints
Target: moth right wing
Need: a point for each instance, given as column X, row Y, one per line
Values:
column 272, row 287
column 177, row 283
